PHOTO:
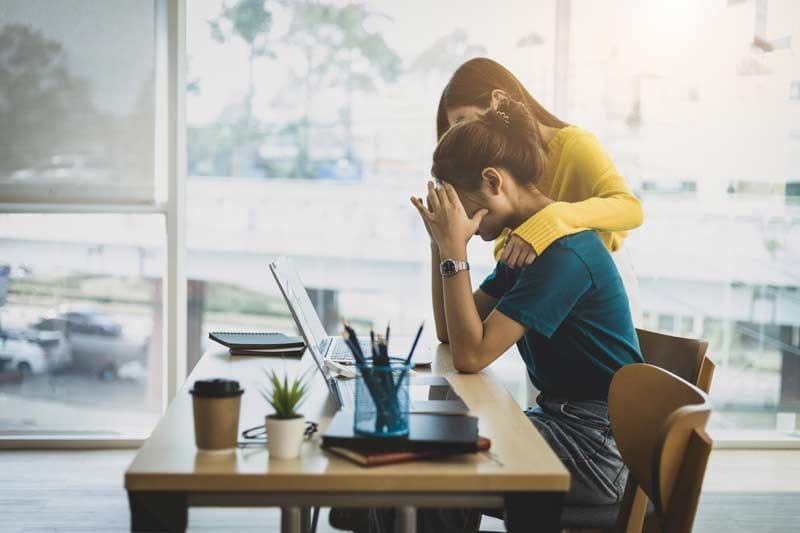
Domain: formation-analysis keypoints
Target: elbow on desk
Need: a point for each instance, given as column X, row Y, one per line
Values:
column 467, row 363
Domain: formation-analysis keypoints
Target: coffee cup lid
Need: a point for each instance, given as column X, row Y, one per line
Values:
column 216, row 388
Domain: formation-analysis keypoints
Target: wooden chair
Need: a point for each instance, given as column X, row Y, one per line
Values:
column 686, row 358
column 663, row 443
column 683, row 357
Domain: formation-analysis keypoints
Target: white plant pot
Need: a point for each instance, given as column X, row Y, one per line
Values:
column 284, row 436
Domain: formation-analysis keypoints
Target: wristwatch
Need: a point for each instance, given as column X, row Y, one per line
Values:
column 450, row 267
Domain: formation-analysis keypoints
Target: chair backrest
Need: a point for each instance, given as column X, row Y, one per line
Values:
column 686, row 358
column 658, row 421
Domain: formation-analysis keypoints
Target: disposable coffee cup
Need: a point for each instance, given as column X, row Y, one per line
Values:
column 216, row 413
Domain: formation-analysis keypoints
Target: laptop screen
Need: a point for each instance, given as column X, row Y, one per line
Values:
column 297, row 298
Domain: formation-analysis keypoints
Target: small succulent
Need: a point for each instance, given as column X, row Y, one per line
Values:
column 286, row 396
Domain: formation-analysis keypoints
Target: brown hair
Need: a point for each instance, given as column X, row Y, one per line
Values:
column 500, row 138
column 472, row 84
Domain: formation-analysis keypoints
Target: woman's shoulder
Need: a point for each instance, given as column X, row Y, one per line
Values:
column 580, row 146
column 573, row 138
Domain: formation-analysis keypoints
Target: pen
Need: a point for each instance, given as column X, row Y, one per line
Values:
column 357, row 355
column 354, row 338
column 414, row 346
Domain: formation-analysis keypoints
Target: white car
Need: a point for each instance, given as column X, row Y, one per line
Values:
column 26, row 357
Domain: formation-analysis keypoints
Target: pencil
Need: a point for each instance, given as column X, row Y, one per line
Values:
column 354, row 339
column 414, row 346
column 357, row 355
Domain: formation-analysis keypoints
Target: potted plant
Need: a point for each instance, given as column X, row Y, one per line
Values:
column 285, row 427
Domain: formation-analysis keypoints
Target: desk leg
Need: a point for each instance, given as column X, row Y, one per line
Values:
column 291, row 520
column 406, row 520
column 524, row 510
column 158, row 511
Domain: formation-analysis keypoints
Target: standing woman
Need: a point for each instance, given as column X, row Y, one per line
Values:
column 588, row 192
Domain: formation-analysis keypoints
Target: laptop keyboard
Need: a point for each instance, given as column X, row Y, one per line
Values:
column 341, row 353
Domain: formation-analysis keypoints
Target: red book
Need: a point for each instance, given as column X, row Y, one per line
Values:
column 369, row 459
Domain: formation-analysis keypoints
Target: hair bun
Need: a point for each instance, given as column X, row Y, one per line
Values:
column 510, row 114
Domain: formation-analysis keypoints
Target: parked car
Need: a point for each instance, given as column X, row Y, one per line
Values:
column 56, row 347
column 96, row 341
column 89, row 321
column 20, row 355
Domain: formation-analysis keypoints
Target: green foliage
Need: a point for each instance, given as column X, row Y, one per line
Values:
column 43, row 109
column 338, row 50
column 286, row 396
column 247, row 19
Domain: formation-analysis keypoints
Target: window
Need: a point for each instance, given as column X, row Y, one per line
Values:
column 82, row 236
column 82, row 119
column 311, row 150
column 80, row 324
column 719, row 263
column 310, row 145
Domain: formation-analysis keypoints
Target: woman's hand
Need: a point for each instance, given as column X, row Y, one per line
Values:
column 424, row 221
column 517, row 252
column 445, row 219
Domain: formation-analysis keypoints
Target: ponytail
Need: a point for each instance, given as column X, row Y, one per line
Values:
column 504, row 136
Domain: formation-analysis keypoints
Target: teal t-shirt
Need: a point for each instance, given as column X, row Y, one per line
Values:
column 572, row 299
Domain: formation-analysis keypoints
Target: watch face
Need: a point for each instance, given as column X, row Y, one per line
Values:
column 448, row 267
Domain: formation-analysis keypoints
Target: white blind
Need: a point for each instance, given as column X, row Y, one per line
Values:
column 77, row 86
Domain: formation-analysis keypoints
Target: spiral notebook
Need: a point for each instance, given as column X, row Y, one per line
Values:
column 259, row 342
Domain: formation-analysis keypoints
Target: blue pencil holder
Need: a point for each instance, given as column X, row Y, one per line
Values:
column 382, row 399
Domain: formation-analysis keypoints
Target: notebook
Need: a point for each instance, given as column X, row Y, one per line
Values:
column 258, row 343
column 296, row 352
column 427, row 432
column 370, row 459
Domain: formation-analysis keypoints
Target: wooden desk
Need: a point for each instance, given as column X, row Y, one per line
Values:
column 169, row 474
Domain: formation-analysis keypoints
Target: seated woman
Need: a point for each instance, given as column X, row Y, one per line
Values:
column 567, row 311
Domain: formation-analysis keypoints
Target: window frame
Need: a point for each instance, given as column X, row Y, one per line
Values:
column 170, row 80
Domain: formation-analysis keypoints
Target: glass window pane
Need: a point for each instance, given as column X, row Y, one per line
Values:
column 312, row 151
column 76, row 101
column 702, row 126
column 311, row 146
column 80, row 324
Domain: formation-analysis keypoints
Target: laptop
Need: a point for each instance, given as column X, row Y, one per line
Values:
column 440, row 398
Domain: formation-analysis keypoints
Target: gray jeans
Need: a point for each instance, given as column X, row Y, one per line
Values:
column 579, row 432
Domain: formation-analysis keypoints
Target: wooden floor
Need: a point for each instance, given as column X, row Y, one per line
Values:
column 81, row 491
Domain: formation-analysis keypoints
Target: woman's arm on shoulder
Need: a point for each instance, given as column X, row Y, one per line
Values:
column 609, row 204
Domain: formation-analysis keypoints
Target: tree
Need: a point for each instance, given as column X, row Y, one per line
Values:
column 43, row 109
column 250, row 21
column 338, row 51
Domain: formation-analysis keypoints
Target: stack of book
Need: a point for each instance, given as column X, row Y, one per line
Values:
column 430, row 436
column 259, row 343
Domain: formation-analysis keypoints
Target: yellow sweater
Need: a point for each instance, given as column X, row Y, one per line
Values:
column 588, row 191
